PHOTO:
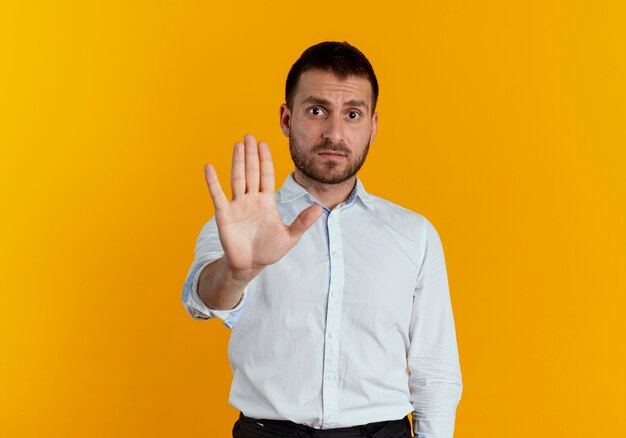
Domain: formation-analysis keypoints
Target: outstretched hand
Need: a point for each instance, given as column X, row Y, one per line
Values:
column 250, row 229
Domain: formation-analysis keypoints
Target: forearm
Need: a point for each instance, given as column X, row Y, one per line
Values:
column 435, row 394
column 220, row 287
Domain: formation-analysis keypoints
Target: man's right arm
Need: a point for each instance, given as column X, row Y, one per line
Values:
column 220, row 287
column 246, row 234
column 207, row 254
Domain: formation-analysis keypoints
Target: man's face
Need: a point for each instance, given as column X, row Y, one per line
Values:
column 330, row 126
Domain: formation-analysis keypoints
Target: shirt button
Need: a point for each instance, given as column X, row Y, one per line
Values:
column 331, row 417
column 330, row 335
column 335, row 253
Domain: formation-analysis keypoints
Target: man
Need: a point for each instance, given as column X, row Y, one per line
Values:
column 326, row 312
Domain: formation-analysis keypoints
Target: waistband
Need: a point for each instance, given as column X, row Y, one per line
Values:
column 343, row 432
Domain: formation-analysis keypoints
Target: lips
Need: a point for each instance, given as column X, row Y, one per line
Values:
column 331, row 155
column 337, row 153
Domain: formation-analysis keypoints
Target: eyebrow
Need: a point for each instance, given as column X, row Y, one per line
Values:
column 325, row 102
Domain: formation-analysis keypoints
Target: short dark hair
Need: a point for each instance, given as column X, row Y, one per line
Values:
column 341, row 59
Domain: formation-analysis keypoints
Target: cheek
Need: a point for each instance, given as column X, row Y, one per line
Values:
column 305, row 129
column 362, row 134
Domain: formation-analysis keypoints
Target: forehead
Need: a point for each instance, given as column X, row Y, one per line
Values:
column 319, row 83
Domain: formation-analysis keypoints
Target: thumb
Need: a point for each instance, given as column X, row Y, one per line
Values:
column 304, row 220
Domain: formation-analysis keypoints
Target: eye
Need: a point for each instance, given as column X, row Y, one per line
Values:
column 354, row 115
column 315, row 111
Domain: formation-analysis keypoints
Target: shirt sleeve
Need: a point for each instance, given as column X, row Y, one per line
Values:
column 208, row 249
column 435, row 376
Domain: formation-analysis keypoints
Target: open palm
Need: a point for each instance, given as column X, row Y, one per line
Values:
column 250, row 228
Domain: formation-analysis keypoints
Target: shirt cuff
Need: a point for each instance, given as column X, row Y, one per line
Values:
column 198, row 310
column 432, row 429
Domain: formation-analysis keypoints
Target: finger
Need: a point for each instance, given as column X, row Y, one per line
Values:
column 252, row 164
column 304, row 221
column 215, row 189
column 237, row 172
column 267, row 168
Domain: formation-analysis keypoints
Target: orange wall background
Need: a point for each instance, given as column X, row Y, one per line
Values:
column 502, row 122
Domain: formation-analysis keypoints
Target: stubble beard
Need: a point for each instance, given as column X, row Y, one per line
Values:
column 327, row 172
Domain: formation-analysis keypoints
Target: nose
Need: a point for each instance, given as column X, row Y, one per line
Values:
column 333, row 130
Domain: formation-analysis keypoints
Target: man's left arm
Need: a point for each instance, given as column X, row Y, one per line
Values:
column 435, row 375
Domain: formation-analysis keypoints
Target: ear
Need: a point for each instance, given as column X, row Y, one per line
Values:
column 374, row 127
column 285, row 119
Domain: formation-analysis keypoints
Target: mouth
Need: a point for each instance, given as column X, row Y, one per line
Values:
column 332, row 155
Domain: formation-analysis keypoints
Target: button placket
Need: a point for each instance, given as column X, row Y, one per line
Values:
column 330, row 379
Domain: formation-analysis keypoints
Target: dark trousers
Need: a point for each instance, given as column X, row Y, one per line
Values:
column 247, row 427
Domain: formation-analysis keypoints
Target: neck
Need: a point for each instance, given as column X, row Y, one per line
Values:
column 329, row 195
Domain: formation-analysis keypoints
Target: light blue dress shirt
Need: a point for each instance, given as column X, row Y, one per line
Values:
column 354, row 325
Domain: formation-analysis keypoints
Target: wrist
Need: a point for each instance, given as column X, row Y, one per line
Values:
column 232, row 277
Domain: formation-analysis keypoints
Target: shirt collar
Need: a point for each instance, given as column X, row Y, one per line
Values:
column 291, row 190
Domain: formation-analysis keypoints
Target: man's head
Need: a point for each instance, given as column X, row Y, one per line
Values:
column 340, row 59
column 329, row 113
